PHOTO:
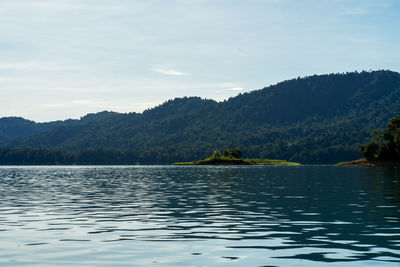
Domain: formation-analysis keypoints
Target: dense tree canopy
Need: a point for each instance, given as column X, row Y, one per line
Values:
column 386, row 145
column 316, row 119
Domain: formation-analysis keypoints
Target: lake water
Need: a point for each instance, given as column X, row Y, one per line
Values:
column 200, row 216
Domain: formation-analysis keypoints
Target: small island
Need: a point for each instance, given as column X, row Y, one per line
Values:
column 384, row 150
column 234, row 157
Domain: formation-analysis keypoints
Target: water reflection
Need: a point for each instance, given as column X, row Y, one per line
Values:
column 251, row 216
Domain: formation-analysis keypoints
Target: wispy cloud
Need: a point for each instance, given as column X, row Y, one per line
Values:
column 354, row 11
column 228, row 86
column 44, row 4
column 236, row 89
column 69, row 104
column 57, row 51
column 168, row 71
column 87, row 103
column 3, row 79
column 36, row 66
column 91, row 104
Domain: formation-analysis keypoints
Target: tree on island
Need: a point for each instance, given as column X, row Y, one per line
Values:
column 216, row 154
column 234, row 153
column 386, row 145
column 228, row 154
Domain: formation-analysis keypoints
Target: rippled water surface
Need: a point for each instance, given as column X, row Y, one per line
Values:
column 199, row 216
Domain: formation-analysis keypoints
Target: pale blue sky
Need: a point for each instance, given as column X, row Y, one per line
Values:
column 64, row 58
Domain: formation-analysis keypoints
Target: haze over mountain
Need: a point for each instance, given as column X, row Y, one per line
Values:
column 315, row 119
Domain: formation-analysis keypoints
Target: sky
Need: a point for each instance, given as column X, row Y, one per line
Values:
column 62, row 59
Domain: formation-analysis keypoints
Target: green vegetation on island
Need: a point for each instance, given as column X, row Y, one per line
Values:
column 383, row 150
column 234, row 157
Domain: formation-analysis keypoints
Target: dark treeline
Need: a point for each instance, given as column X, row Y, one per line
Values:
column 316, row 119
column 43, row 156
column 91, row 156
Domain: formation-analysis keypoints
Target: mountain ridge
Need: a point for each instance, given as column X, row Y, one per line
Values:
column 314, row 119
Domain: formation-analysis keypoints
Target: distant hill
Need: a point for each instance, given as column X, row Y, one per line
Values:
column 12, row 127
column 316, row 119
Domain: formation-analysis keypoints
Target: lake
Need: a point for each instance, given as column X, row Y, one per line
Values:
column 200, row 216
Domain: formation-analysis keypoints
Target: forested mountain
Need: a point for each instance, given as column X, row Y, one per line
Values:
column 11, row 127
column 316, row 119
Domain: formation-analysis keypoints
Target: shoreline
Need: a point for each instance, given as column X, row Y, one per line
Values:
column 368, row 163
column 237, row 162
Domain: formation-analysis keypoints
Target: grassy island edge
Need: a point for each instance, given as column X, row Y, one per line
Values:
column 369, row 163
column 242, row 162
column 233, row 157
